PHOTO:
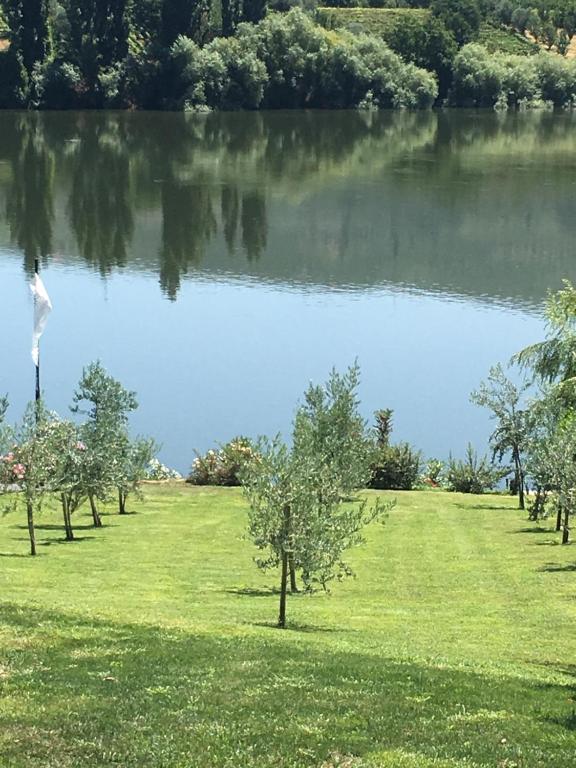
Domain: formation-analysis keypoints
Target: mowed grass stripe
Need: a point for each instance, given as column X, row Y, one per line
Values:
column 151, row 643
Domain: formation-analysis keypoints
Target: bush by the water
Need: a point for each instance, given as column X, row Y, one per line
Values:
column 158, row 471
column 413, row 33
column 397, row 468
column 473, row 474
column 222, row 466
column 484, row 79
column 289, row 61
column 394, row 467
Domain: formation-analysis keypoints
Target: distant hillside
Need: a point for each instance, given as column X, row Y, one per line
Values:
column 505, row 40
column 375, row 21
column 384, row 22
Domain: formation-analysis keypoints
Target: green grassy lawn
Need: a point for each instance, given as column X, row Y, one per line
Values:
column 150, row 643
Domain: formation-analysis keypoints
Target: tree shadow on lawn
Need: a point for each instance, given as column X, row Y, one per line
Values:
column 466, row 507
column 75, row 540
column 254, row 592
column 14, row 554
column 558, row 567
column 54, row 527
column 534, row 529
column 86, row 692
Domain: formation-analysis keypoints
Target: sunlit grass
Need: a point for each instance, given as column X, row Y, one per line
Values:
column 151, row 643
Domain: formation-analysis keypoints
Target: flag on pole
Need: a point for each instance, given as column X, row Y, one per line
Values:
column 42, row 308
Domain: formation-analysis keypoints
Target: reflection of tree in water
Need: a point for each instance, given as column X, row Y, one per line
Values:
column 254, row 224
column 230, row 212
column 100, row 204
column 228, row 174
column 188, row 224
column 30, row 201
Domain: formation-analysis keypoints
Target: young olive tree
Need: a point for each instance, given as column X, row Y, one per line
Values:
column 133, row 468
column 106, row 403
column 32, row 463
column 503, row 398
column 298, row 513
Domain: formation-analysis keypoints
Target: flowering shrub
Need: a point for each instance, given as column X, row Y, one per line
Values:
column 158, row 471
column 12, row 470
column 433, row 473
column 222, row 467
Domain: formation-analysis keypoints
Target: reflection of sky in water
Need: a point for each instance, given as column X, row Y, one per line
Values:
column 233, row 357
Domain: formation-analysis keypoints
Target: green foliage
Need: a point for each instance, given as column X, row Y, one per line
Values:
column 461, row 17
column 553, row 361
column 328, row 425
column 131, row 468
column 297, row 518
column 472, row 475
column 60, row 85
column 30, row 35
column 383, row 22
column 95, row 43
column 393, row 467
column 396, row 467
column 433, row 474
column 158, row 471
column 414, row 34
column 499, row 39
column 111, row 461
column 288, row 61
column 3, row 408
column 13, row 80
column 188, row 18
column 223, row 466
column 485, row 79
column 254, row 10
column 510, row 436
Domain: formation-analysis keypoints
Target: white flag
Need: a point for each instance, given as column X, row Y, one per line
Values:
column 42, row 308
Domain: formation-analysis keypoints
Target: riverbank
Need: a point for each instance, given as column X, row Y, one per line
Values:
column 151, row 642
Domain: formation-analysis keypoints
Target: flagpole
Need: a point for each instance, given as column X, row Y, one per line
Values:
column 36, row 271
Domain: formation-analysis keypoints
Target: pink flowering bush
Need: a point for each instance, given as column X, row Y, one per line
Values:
column 222, row 466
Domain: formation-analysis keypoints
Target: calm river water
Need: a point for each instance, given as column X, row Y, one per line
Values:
column 216, row 264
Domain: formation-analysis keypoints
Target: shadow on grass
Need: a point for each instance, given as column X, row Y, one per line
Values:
column 467, row 507
column 534, row 529
column 253, row 592
column 14, row 554
column 84, row 691
column 558, row 568
column 54, row 527
column 297, row 627
column 75, row 540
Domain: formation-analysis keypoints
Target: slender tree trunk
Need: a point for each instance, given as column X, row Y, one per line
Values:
column 292, row 567
column 67, row 519
column 283, row 589
column 559, row 517
column 31, row 532
column 566, row 528
column 95, row 515
column 121, row 502
column 519, row 478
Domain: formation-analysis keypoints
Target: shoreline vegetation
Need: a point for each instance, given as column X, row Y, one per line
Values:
column 231, row 54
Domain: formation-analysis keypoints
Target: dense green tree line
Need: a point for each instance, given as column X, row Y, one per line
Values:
column 93, row 56
column 196, row 54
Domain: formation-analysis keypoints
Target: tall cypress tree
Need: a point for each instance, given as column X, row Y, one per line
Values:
column 231, row 16
column 190, row 18
column 98, row 38
column 29, row 24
